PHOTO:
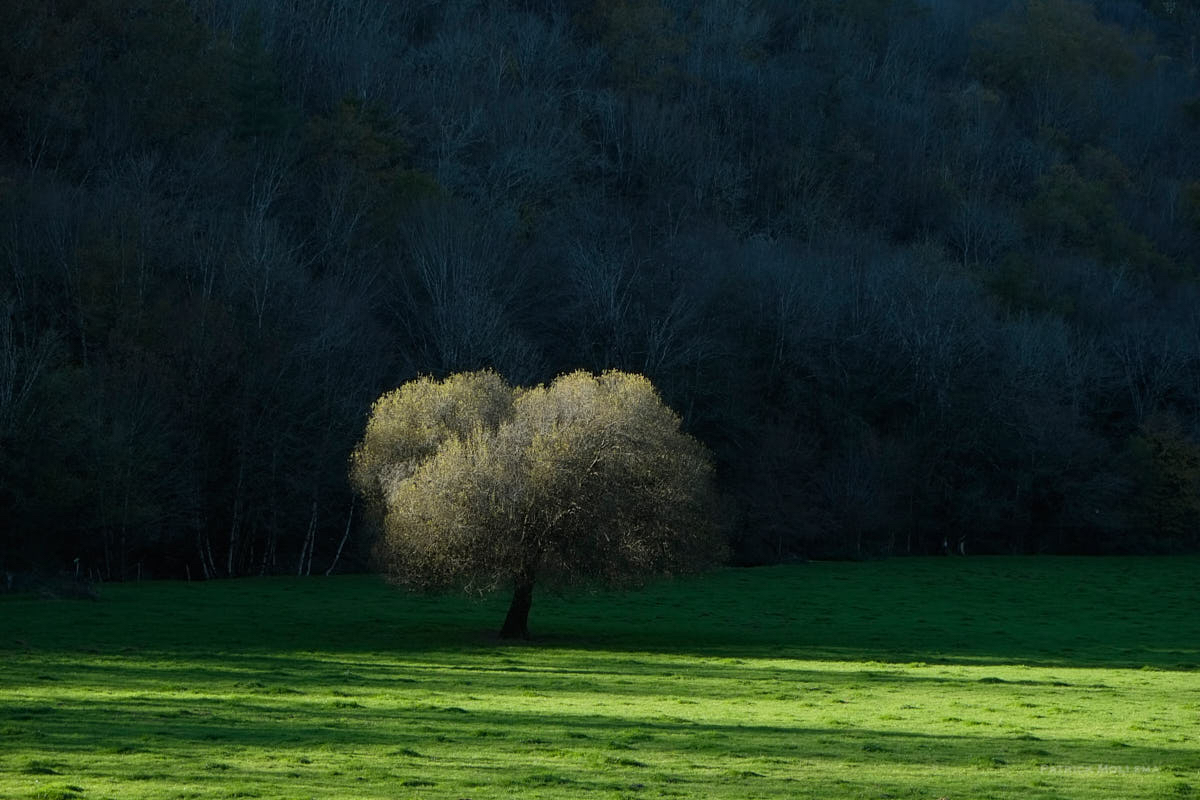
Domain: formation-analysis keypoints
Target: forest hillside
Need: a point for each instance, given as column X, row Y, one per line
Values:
column 921, row 273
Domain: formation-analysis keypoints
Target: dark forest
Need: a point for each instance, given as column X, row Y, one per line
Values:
column 922, row 274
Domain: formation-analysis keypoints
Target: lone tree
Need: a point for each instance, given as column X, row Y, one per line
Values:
column 482, row 486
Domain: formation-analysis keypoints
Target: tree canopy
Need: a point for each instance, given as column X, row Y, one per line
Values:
column 482, row 486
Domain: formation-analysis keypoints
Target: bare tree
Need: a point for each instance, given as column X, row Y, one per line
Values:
column 459, row 295
column 25, row 358
column 1150, row 365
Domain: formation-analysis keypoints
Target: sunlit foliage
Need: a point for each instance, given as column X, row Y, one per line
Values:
column 485, row 487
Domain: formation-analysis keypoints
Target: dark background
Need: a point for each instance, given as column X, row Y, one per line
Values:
column 921, row 274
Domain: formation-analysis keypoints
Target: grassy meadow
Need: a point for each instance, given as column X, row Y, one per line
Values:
column 909, row 678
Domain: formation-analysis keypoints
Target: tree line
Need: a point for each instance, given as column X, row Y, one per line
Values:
column 921, row 274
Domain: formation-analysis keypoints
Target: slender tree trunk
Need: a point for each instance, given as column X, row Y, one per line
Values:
column 204, row 546
column 309, row 541
column 303, row 553
column 342, row 543
column 516, row 624
column 235, row 526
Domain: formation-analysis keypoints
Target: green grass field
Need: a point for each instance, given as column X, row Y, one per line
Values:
column 931, row 678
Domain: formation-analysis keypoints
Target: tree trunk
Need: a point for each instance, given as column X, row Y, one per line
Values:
column 516, row 624
column 342, row 543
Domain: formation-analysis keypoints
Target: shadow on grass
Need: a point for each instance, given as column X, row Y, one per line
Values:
column 425, row 732
column 1068, row 612
column 571, row 672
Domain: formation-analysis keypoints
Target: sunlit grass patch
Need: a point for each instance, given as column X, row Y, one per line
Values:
column 923, row 679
